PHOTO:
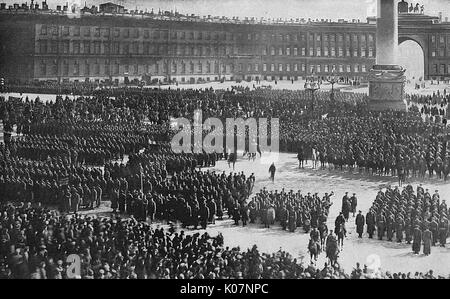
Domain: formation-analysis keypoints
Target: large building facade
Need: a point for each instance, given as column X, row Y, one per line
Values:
column 108, row 47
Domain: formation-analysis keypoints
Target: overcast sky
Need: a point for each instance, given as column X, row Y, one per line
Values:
column 329, row 9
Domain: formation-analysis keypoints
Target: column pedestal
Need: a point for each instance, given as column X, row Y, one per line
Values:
column 387, row 88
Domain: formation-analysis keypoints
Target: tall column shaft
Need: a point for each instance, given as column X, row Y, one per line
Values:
column 387, row 32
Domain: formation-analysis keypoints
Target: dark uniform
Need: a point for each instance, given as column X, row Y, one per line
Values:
column 360, row 224
column 370, row 221
column 381, row 226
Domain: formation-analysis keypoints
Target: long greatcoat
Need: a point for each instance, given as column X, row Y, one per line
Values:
column 417, row 240
column 427, row 238
column 359, row 223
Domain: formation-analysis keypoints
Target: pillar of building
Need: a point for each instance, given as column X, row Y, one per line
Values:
column 387, row 32
column 387, row 79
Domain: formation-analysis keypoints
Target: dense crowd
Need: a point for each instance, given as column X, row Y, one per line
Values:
column 114, row 145
column 36, row 242
column 388, row 144
column 434, row 108
column 291, row 209
column 413, row 216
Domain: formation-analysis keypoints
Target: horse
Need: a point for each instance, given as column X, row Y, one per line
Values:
column 322, row 158
column 332, row 251
column 314, row 250
column 315, row 158
column 341, row 232
column 306, row 225
column 323, row 229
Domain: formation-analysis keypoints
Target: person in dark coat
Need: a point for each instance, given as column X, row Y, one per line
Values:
column 283, row 217
column 219, row 207
column 354, row 204
column 434, row 227
column 417, row 240
column 370, row 221
column 427, row 238
column 114, row 200
column 212, row 211
column 236, row 215
column 75, row 201
column 244, row 214
column 195, row 214
column 203, row 215
column 346, row 209
column 272, row 170
column 292, row 222
column 253, row 212
column 360, row 224
column 399, row 228
column 122, row 202
column 390, row 227
column 443, row 231
column 338, row 222
column 381, row 226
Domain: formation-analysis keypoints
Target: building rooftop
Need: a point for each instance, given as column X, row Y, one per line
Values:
column 176, row 16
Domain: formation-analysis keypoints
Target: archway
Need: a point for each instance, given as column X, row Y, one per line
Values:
column 411, row 56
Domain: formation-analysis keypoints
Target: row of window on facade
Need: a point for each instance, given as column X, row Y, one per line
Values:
column 318, row 37
column 87, row 31
column 440, row 38
column 88, row 69
column 97, row 68
column 440, row 52
column 320, row 51
column 440, row 69
column 301, row 67
column 98, row 47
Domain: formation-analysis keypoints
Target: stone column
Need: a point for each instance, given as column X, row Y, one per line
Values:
column 387, row 79
column 387, row 32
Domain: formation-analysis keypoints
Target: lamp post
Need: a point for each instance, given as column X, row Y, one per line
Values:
column 312, row 86
column 332, row 79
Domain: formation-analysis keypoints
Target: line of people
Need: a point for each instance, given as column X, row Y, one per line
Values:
column 407, row 215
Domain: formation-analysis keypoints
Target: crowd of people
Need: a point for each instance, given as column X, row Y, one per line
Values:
column 434, row 108
column 36, row 243
column 114, row 145
column 291, row 209
column 413, row 216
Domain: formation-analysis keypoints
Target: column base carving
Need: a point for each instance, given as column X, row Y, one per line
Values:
column 387, row 87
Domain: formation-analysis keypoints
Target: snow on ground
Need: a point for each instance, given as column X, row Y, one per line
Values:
column 390, row 256
column 297, row 85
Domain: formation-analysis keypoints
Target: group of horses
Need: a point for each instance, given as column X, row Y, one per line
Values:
column 374, row 164
column 333, row 243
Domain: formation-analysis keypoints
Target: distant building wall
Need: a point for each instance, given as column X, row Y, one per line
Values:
column 106, row 47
